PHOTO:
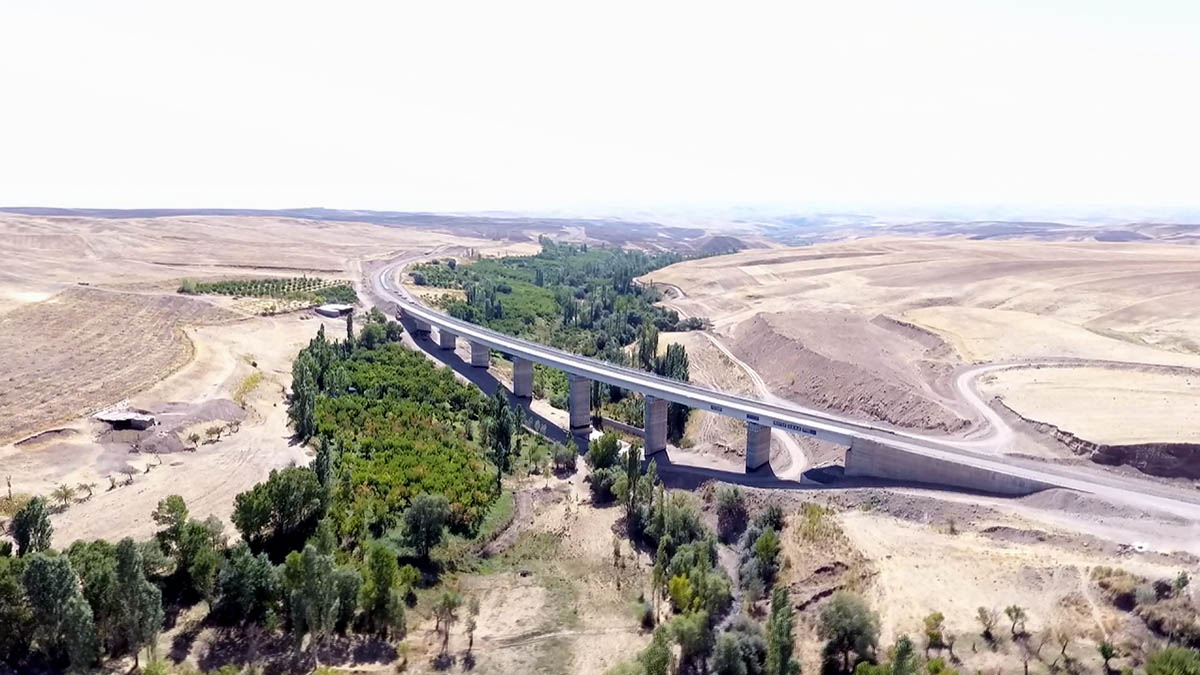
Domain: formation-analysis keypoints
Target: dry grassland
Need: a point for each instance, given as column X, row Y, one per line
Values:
column 44, row 254
column 1108, row 406
column 876, row 328
column 85, row 348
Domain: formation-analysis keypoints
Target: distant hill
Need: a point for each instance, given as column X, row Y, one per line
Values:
column 602, row 231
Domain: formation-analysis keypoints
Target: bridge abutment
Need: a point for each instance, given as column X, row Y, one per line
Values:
column 758, row 445
column 579, row 401
column 446, row 339
column 522, row 377
column 655, row 423
column 871, row 459
column 481, row 355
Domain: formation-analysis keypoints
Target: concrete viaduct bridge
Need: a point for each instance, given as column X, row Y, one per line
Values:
column 873, row 451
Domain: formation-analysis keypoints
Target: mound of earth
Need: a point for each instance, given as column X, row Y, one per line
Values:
column 1069, row 501
column 175, row 422
column 878, row 369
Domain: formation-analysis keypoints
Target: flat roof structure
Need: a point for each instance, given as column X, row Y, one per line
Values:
column 334, row 310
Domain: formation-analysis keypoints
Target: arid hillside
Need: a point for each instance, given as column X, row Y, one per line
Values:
column 880, row 329
column 44, row 254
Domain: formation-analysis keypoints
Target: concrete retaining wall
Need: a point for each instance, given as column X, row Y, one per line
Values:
column 618, row 425
column 876, row 460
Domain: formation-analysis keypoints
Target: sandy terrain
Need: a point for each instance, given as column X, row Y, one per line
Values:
column 1108, row 408
column 209, row 478
column 85, row 348
column 45, row 254
column 875, row 328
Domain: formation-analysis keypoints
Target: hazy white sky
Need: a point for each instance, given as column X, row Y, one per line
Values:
column 515, row 105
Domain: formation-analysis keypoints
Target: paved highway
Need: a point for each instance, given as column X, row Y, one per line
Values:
column 790, row 418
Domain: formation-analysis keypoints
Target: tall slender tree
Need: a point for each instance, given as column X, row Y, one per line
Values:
column 141, row 615
column 780, row 643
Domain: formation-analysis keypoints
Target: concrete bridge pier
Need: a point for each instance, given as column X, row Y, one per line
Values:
column 481, row 355
column 446, row 339
column 758, row 445
column 579, row 401
column 655, row 425
column 522, row 377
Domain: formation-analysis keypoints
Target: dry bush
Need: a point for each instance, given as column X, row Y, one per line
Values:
column 1176, row 618
column 1119, row 587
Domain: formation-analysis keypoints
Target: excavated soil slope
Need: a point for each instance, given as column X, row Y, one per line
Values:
column 875, row 371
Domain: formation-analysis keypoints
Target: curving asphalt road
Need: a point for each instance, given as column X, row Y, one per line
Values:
column 797, row 419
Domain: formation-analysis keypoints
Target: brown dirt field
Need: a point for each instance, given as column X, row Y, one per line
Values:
column 1136, row 398
column 45, row 254
column 920, row 568
column 86, row 348
column 874, row 327
column 89, row 317
column 208, row 478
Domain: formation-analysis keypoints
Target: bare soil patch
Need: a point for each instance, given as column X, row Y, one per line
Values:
column 1151, row 405
column 86, row 348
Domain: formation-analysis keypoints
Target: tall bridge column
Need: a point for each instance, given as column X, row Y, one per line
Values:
column 758, row 445
column 579, row 399
column 445, row 339
column 523, row 377
column 656, row 425
column 481, row 355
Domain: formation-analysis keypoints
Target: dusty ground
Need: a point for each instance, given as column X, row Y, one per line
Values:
column 911, row 553
column 553, row 601
column 84, row 348
column 64, row 328
column 875, row 328
column 208, row 478
column 45, row 254
column 1137, row 398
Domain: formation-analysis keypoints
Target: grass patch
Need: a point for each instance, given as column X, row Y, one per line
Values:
column 815, row 524
column 531, row 549
column 498, row 516
column 246, row 387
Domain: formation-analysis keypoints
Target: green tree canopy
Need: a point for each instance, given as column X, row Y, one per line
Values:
column 249, row 585
column 280, row 513
column 30, row 527
column 141, row 616
column 425, row 523
column 780, row 642
column 170, row 515
column 848, row 626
